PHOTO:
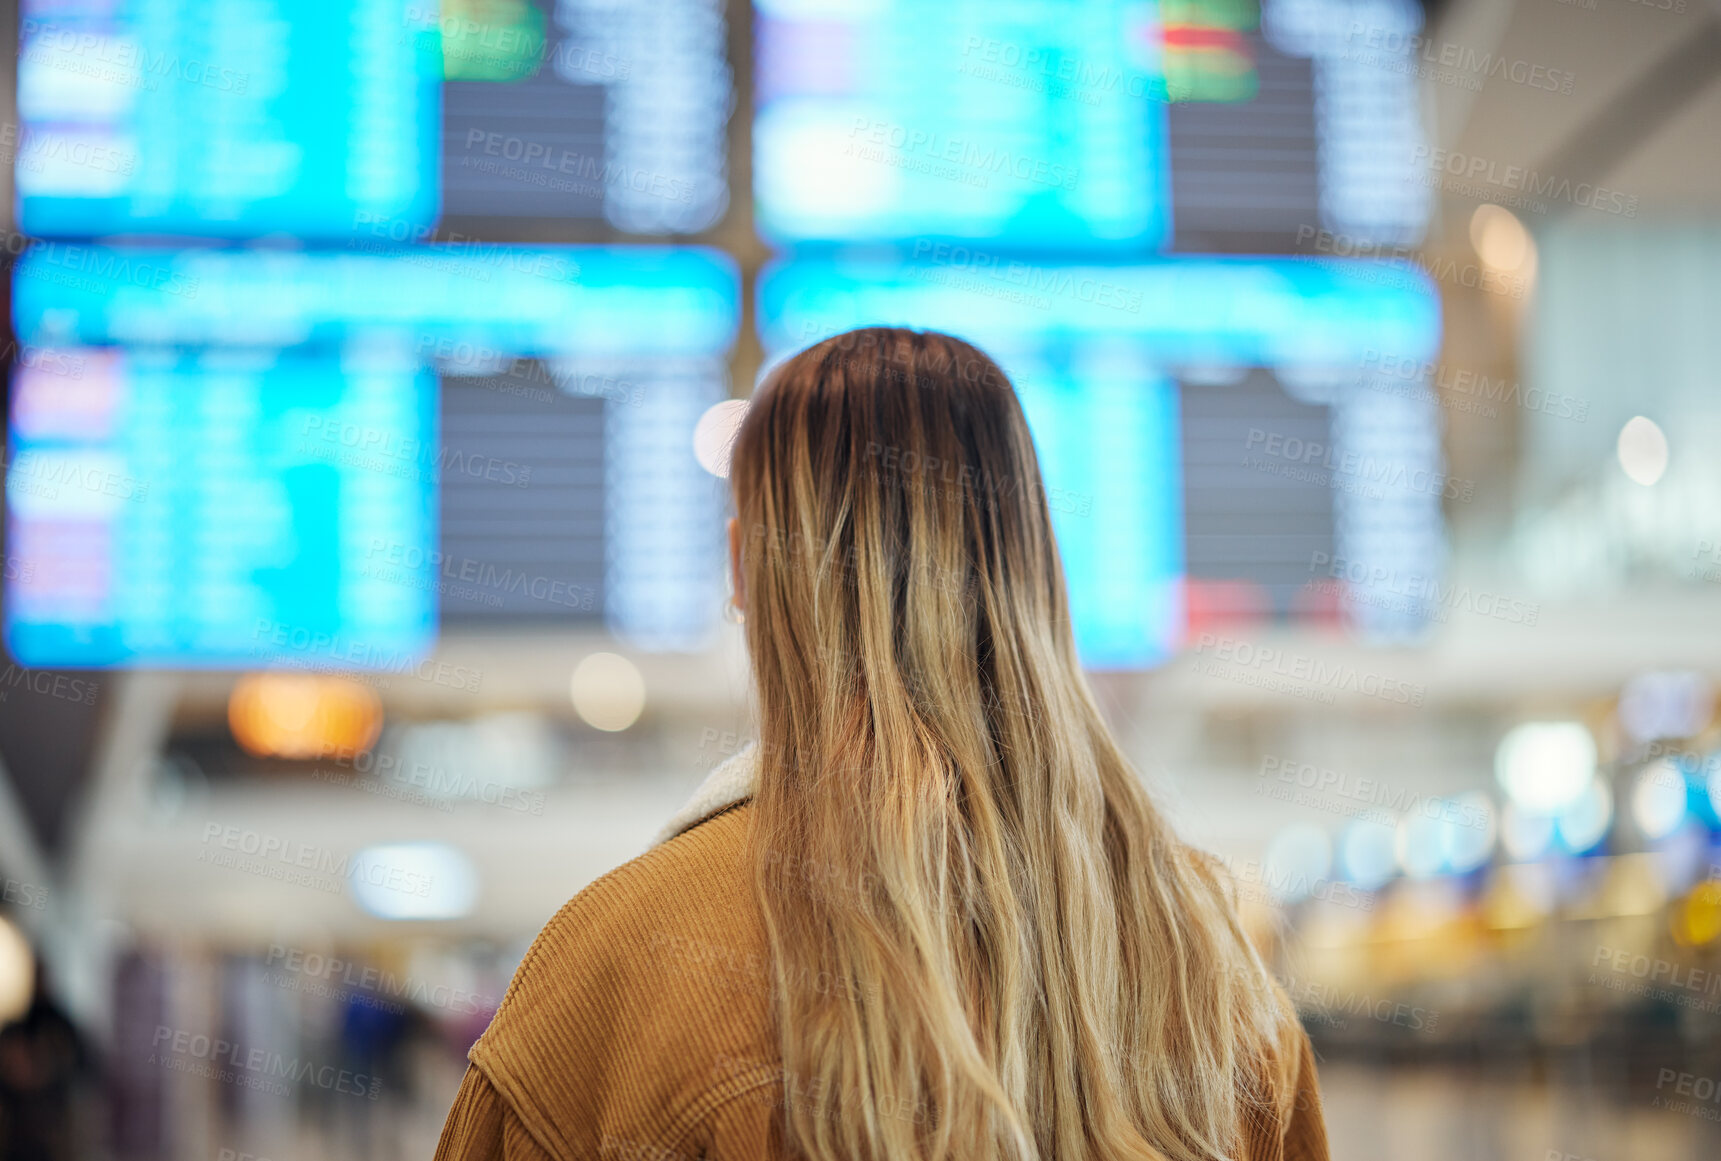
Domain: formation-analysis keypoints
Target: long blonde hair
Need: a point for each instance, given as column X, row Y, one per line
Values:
column 1030, row 964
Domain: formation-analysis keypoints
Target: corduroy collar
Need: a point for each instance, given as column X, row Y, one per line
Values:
column 730, row 782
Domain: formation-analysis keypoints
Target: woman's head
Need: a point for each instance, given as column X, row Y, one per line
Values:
column 1033, row 966
column 889, row 510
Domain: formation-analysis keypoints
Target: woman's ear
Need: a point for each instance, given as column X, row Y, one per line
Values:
column 735, row 565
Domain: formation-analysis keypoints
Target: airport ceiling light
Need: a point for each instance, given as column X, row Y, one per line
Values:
column 17, row 973
column 608, row 691
column 303, row 715
column 1584, row 824
column 1658, row 799
column 1642, row 450
column 416, row 880
column 1545, row 767
column 1368, row 855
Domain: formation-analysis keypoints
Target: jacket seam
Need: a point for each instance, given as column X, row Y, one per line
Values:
column 716, row 814
column 513, row 1111
column 702, row 1110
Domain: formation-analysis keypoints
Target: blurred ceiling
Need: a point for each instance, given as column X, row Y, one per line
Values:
column 1643, row 114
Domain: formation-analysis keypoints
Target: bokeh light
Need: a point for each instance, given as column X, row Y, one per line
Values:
column 1500, row 238
column 1584, row 823
column 1642, row 450
column 1297, row 859
column 17, row 972
column 1368, row 854
column 608, row 691
column 1545, row 766
column 1658, row 797
column 422, row 880
column 303, row 715
column 714, row 435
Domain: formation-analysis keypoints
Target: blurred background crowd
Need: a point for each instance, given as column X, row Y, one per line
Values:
column 371, row 368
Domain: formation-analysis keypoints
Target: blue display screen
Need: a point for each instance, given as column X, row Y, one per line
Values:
column 214, row 118
column 1108, row 442
column 234, row 458
column 893, row 120
column 1115, row 127
column 1100, row 355
column 1264, row 312
column 233, row 508
column 433, row 300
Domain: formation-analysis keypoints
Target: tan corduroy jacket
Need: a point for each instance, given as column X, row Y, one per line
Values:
column 638, row 1028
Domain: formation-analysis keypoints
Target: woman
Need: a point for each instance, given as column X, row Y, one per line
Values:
column 932, row 914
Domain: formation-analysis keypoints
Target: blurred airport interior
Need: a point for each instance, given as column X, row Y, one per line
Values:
column 371, row 369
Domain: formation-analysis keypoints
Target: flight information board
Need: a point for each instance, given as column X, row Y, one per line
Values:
column 585, row 109
column 900, row 118
column 461, row 302
column 1209, row 428
column 581, row 499
column 237, row 458
column 1107, row 438
column 322, row 119
column 218, row 508
column 1116, row 127
column 216, row 118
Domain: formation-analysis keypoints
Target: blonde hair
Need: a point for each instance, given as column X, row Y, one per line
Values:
column 1038, row 968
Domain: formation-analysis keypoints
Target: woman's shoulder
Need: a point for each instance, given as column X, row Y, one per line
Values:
column 644, row 1003
column 700, row 879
